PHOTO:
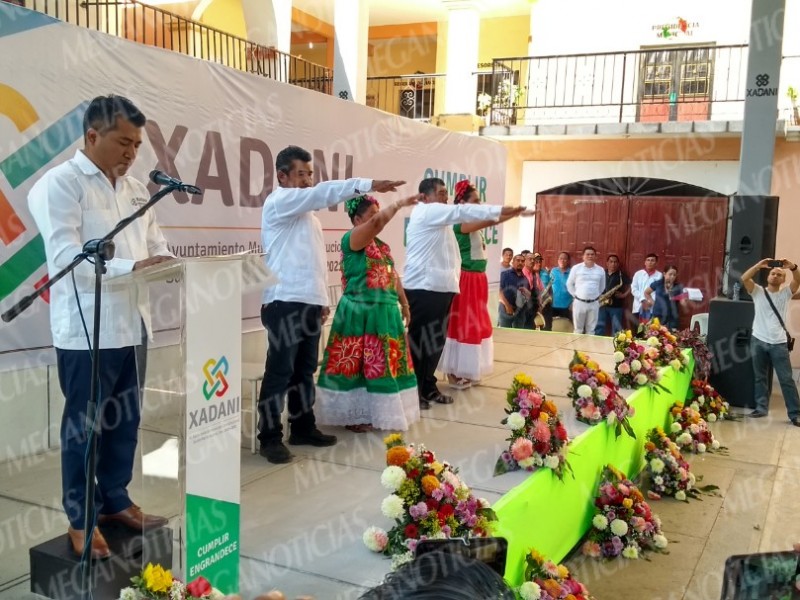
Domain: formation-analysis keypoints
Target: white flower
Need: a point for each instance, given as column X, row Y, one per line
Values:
column 526, row 463
column 658, row 480
column 618, row 357
column 611, row 418
column 675, row 364
column 530, row 591
column 551, row 462
column 619, row 527
column 641, row 378
column 600, row 522
column 630, row 552
column 711, row 417
column 128, row 593
column 715, row 445
column 392, row 507
column 676, row 427
column 694, row 428
column 684, row 439
column 701, row 448
column 694, row 406
column 701, row 400
column 692, row 479
column 584, row 391
column 680, row 495
column 653, row 342
column 515, row 421
column 656, row 465
column 392, row 477
column 375, row 539
column 178, row 590
column 483, row 503
column 660, row 541
column 636, row 365
column 216, row 595
column 398, row 560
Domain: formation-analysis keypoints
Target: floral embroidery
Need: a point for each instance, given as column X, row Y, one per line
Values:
column 378, row 276
column 344, row 355
column 373, row 251
column 374, row 357
column 394, row 356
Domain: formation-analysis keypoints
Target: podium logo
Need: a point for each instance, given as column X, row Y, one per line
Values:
column 215, row 383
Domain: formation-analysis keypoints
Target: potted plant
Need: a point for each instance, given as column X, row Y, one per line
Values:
column 792, row 95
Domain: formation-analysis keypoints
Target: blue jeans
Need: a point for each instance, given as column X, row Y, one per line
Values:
column 778, row 354
column 616, row 315
column 518, row 320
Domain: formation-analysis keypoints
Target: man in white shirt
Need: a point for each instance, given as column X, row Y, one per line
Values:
column 295, row 309
column 433, row 263
column 642, row 280
column 77, row 201
column 768, row 344
column 585, row 283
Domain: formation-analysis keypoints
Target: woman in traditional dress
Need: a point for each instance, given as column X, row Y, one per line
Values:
column 468, row 352
column 367, row 380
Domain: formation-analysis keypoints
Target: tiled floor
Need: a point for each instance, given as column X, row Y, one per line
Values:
column 302, row 522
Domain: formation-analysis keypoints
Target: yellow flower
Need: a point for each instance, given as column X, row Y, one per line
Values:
column 656, row 322
column 393, row 439
column 563, row 572
column 437, row 467
column 621, row 337
column 543, row 417
column 429, row 484
column 536, row 556
column 628, row 334
column 627, row 503
column 156, row 578
column 523, row 379
column 592, row 365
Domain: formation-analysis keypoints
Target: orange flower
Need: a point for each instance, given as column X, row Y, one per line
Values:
column 570, row 597
column 397, row 456
column 577, row 368
column 549, row 408
column 601, row 377
column 429, row 484
column 649, row 446
column 552, row 587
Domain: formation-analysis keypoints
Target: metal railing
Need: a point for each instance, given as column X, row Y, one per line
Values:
column 677, row 83
column 411, row 96
column 153, row 26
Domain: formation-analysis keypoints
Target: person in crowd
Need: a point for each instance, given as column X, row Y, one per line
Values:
column 527, row 268
column 768, row 343
column 296, row 307
column 517, row 300
column 612, row 302
column 585, row 284
column 505, row 264
column 543, row 288
column 367, row 379
column 562, row 300
column 433, row 262
column 666, row 296
column 74, row 202
column 468, row 353
column 643, row 279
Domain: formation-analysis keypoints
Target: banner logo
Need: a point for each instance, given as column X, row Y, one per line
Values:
column 215, row 371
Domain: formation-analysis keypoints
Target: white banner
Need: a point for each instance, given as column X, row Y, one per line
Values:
column 209, row 125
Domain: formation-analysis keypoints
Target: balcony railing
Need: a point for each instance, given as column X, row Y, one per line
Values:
column 411, row 96
column 677, row 83
column 153, row 26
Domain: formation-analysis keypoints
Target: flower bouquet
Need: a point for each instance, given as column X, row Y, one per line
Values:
column 157, row 583
column 623, row 523
column 662, row 345
column 707, row 401
column 595, row 395
column 668, row 471
column 702, row 355
column 690, row 431
column 634, row 368
column 545, row 580
column 427, row 501
column 538, row 436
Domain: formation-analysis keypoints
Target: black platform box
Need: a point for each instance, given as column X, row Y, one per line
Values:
column 56, row 571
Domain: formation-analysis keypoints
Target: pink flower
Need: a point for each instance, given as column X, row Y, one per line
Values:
column 374, row 357
column 541, row 432
column 521, row 449
column 623, row 368
column 592, row 549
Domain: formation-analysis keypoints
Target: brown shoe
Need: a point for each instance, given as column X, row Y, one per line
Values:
column 77, row 539
column 133, row 518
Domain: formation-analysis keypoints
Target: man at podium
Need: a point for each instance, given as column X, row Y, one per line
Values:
column 295, row 309
column 77, row 201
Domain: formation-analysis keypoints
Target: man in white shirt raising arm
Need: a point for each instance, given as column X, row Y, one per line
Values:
column 295, row 309
column 433, row 263
column 768, row 344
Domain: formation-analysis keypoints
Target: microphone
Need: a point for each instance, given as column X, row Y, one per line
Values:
column 162, row 178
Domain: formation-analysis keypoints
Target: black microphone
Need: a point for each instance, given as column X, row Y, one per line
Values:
column 162, row 178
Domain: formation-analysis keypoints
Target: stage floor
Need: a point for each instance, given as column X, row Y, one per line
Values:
column 302, row 522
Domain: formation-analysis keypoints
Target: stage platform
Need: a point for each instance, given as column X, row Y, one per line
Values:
column 302, row 522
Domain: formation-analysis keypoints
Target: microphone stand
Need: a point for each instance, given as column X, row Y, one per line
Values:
column 99, row 251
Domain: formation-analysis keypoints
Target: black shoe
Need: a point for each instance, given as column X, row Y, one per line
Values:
column 757, row 414
column 441, row 399
column 796, row 422
column 313, row 438
column 424, row 404
column 275, row 452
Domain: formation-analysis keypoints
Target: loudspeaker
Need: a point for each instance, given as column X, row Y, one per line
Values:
column 730, row 325
column 754, row 227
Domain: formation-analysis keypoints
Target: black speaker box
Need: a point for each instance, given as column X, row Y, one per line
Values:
column 730, row 325
column 754, row 227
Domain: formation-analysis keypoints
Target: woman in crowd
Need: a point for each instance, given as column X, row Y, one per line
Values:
column 562, row 300
column 367, row 379
column 667, row 296
column 468, row 353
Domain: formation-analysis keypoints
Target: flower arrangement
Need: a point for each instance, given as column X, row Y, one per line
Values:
column 428, row 500
column 669, row 473
column 690, row 431
column 662, row 345
column 157, row 583
column 707, row 401
column 702, row 355
column 595, row 395
column 634, row 367
column 538, row 437
column 545, row 580
column 623, row 523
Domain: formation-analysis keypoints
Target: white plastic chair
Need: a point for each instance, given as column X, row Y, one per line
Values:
column 701, row 320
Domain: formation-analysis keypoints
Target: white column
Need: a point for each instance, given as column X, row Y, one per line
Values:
column 351, row 33
column 463, row 29
column 269, row 23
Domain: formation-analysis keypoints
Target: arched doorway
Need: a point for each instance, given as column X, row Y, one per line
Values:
column 684, row 224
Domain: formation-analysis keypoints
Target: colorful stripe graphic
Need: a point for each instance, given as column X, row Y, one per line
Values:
column 21, row 265
column 14, row 19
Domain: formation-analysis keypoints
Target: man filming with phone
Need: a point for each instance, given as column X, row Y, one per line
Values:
column 771, row 341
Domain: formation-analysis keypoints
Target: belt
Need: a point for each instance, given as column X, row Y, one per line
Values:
column 587, row 301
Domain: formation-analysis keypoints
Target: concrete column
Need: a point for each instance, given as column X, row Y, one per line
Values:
column 269, row 23
column 351, row 34
column 463, row 29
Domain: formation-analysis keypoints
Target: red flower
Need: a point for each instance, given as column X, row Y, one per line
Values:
column 411, row 531
column 394, row 356
column 446, row 510
column 374, row 357
column 428, row 456
column 199, row 588
column 386, row 251
column 413, row 474
column 432, row 504
column 561, row 433
column 344, row 356
column 378, row 277
column 373, row 251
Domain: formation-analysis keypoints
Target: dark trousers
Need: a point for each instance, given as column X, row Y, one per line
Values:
column 426, row 334
column 118, row 412
column 547, row 313
column 293, row 331
column 610, row 313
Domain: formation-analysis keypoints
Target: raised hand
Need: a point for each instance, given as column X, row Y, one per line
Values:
column 385, row 185
column 410, row 201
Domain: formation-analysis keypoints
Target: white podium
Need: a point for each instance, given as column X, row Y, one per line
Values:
column 208, row 389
